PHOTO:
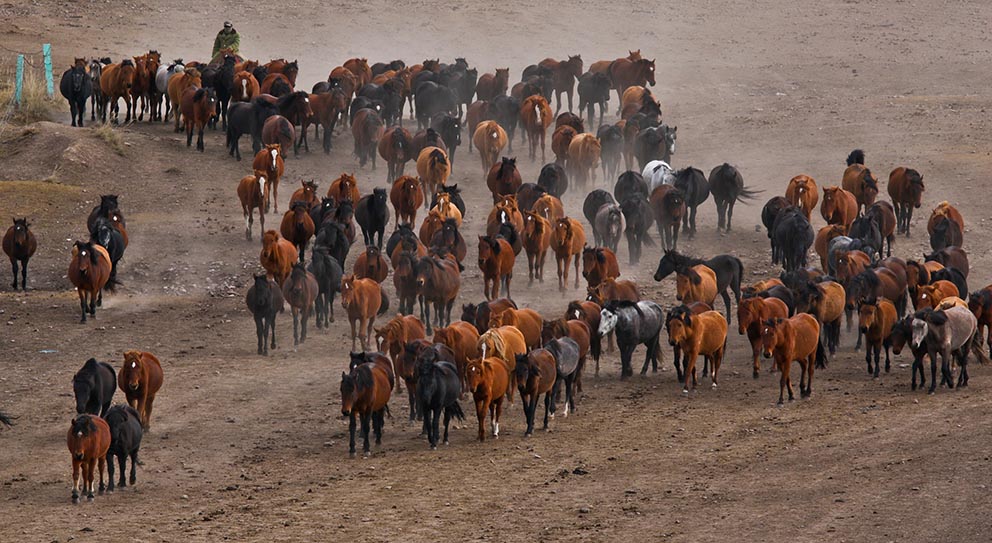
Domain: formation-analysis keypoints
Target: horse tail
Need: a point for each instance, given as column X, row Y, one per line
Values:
column 285, row 129
column 112, row 284
column 821, row 355
column 455, row 409
column 857, row 156
column 748, row 194
column 6, row 419
column 976, row 349
column 383, row 301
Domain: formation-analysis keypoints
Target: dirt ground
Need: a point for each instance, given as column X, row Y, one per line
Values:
column 248, row 448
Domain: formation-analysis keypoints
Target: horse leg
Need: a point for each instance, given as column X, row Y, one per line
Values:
column 199, row 138
column 378, row 422
column 13, row 265
column 366, row 430
column 562, row 272
column 303, row 320
column 425, row 314
column 352, row 423
column 577, row 257
column 480, row 413
column 548, row 410
column 447, row 422
column 435, row 430
column 868, row 359
column 82, row 305
column 626, row 352
column 260, row 332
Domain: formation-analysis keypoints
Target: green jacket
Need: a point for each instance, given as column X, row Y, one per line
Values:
column 225, row 39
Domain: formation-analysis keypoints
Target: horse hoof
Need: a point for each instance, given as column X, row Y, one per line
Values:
column 433, row 447
column 351, row 454
column 89, row 497
column 713, row 385
column 75, row 499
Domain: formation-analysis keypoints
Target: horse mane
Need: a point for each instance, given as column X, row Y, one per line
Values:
column 869, row 180
column 869, row 277
column 857, row 156
column 198, row 95
column 362, row 374
column 88, row 246
column 499, row 346
column 437, row 157
column 937, row 317
column 127, row 62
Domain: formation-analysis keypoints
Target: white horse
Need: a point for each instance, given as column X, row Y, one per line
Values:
column 162, row 76
column 657, row 173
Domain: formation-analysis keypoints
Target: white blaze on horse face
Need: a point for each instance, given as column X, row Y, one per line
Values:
column 484, row 345
column 79, row 434
column 537, row 112
column 274, row 155
column 134, row 364
column 261, row 185
column 244, row 89
column 503, row 217
column 494, row 135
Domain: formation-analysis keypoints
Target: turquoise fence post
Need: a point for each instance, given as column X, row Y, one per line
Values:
column 19, row 81
column 46, row 49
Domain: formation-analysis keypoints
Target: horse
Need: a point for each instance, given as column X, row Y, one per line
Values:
column 952, row 331
column 327, row 108
column 634, row 323
column 438, row 389
column 90, row 272
column 951, row 257
column 245, row 87
column 946, row 233
column 579, row 331
column 638, row 215
column 463, row 340
column 549, row 207
column 583, row 157
column 433, row 169
column 277, row 256
column 393, row 336
column 307, row 193
column 505, row 211
column 794, row 339
column 565, row 351
column 635, row 99
column 438, row 282
column 564, row 74
column 906, row 190
column 728, row 271
column 395, row 147
column 626, row 73
column 328, row 272
column 696, row 189
column 125, row 441
column 654, row 143
column 859, row 181
column 360, row 299
column 110, row 236
column 611, row 146
column 296, row 109
column 876, row 317
column 751, row 313
column 527, row 321
column 300, row 290
column 699, row 334
column 116, row 81
column 95, row 68
column 450, row 129
column 269, row 162
column 297, row 227
column 669, row 206
column 980, row 303
column 177, row 86
column 561, row 138
column 365, row 392
column 791, row 238
column 406, row 197
column 445, row 207
column 942, row 211
column 489, row 381
column 932, row 294
column 599, row 264
column 264, row 299
column 821, row 242
column 658, row 172
column 535, row 373
column 553, row 179
column 479, row 314
column 490, row 139
column 802, row 193
column 824, row 300
column 371, row 264
column 278, row 129
column 19, row 244
column 611, row 289
column 276, row 85
column 503, row 177
column 88, row 440
column 630, row 183
column 567, row 240
column 140, row 379
column 476, row 112
column 372, row 214
column 367, row 129
column 839, row 206
column 496, row 260
column 594, row 89
column 93, row 387
column 248, row 118
column 727, row 186
column 491, row 85
column 535, row 116
column 537, row 240
column 252, row 193
column 76, row 87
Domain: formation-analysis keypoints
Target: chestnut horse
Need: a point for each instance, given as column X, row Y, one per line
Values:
column 583, row 157
column 821, row 243
column 252, row 193
column 751, row 313
column 568, row 239
column 803, row 194
column 626, row 73
column 599, row 264
column 327, row 108
column 245, row 87
column 906, row 190
column 505, row 343
column 463, row 340
column 526, row 320
column 393, row 336
column 177, row 86
column 535, row 116
column 367, row 129
column 363, row 299
column 535, row 374
column 269, row 161
column 496, row 260
column 278, row 256
column 359, row 67
column 490, row 139
column 490, row 86
column 20, row 244
column 794, row 339
column 306, row 193
column 876, row 317
column 371, row 264
column 438, row 283
column 862, row 184
column 396, row 148
column 944, row 209
column 89, row 272
column 503, row 177
column 197, row 107
column 433, row 168
column 489, row 381
column 140, row 379
column 406, row 197
column 537, row 240
column 696, row 284
column 561, row 139
column 88, row 440
column 703, row 334
column 297, row 226
column 365, row 392
column 839, row 206
column 564, row 73
column 116, row 81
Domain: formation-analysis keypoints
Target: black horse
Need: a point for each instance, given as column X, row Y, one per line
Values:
column 77, row 88
column 595, row 200
column 553, row 179
column 478, row 314
column 728, row 269
column 248, row 118
column 333, row 235
column 223, row 85
column 946, row 233
column 264, row 300
column 611, row 148
column 328, row 272
column 865, row 229
column 953, row 275
column 594, row 88
column 450, row 129
column 693, row 184
column 727, row 186
column 791, row 236
column 94, row 385
column 505, row 110
column 372, row 214
column 628, row 184
column 639, row 216
column 104, row 233
column 125, row 441
column 432, row 99
column 438, row 389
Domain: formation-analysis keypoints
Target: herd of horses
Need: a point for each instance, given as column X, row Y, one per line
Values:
column 498, row 349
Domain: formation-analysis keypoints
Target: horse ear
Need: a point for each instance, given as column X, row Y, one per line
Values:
column 694, row 277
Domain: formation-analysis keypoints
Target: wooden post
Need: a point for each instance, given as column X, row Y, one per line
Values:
column 19, row 81
column 46, row 49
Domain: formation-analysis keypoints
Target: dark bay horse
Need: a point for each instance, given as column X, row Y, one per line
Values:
column 19, row 244
column 365, row 391
column 76, row 87
column 728, row 268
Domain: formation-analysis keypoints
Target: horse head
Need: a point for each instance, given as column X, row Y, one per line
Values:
column 133, row 370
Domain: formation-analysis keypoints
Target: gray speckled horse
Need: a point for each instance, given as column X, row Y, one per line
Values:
column 635, row 324
column 948, row 332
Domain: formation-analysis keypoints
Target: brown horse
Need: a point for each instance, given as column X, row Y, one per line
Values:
column 537, row 240
column 549, row 207
column 284, row 67
column 626, row 73
column 19, row 244
column 88, row 440
column 438, row 283
column 252, row 193
column 599, row 264
column 359, row 67
column 463, row 340
column 535, row 116
column 405, row 277
column 277, row 256
column 140, row 379
column 279, row 129
column 839, row 206
column 635, row 99
column 245, row 87
column 564, row 73
column 822, row 242
column 372, row 265
column 342, row 78
column 276, row 85
column 803, row 194
column 363, row 299
column 668, row 204
column 406, row 197
column 751, row 313
column 490, row 86
column 944, row 209
column 365, row 392
column 489, row 381
column 931, row 295
column 980, row 303
column 447, row 209
column 876, row 317
column 496, row 260
column 393, row 336
column 405, row 365
column 505, row 211
column 475, row 113
column 503, row 178
column 884, row 215
column 327, row 109
column 269, row 160
column 297, row 226
column 306, row 193
column 197, row 107
column 396, row 148
column 140, row 87
column 794, row 339
column 862, row 184
column 116, row 81
column 300, row 290
column 696, row 284
column 433, row 168
column 345, row 187
column 850, row 263
column 603, row 66
column 178, row 84
column 561, row 139
column 583, row 157
column 505, row 343
column 612, row 290
column 526, row 320
column 535, row 374
column 367, row 129
column 906, row 190
column 490, row 139
column 432, row 224
column 568, row 239
column 89, row 272
column 703, row 334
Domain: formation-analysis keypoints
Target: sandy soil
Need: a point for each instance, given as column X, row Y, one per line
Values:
column 250, row 448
